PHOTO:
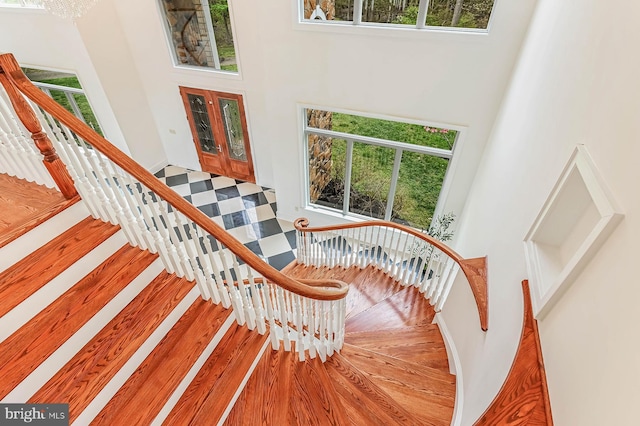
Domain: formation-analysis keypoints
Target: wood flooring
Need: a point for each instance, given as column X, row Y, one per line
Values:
column 25, row 205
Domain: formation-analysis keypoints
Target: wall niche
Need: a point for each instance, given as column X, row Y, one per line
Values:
column 575, row 220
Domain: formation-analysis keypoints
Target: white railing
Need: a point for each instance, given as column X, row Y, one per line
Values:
column 186, row 249
column 19, row 156
column 405, row 255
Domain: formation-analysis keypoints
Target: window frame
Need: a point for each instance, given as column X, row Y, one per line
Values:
column 358, row 24
column 211, row 31
column 344, row 213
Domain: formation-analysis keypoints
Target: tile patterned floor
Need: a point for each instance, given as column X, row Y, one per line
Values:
column 247, row 211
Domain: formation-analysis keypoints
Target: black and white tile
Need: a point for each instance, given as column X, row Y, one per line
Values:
column 247, row 211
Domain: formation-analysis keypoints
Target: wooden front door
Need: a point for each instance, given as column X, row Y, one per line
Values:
column 219, row 131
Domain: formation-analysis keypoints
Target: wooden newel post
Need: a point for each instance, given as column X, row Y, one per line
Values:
column 28, row 117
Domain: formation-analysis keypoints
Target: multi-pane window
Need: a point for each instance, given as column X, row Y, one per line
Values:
column 376, row 168
column 415, row 13
column 65, row 89
column 200, row 34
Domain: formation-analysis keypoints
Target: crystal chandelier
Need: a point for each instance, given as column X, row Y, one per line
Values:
column 68, row 8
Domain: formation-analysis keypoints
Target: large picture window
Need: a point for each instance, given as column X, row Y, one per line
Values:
column 376, row 168
column 200, row 33
column 416, row 13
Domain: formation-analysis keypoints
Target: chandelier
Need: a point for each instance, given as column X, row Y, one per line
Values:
column 68, row 8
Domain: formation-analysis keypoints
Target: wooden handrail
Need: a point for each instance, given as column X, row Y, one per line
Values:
column 52, row 162
column 474, row 269
column 9, row 66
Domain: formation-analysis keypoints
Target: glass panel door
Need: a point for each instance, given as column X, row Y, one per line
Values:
column 219, row 131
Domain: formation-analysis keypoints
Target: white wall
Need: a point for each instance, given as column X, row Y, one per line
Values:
column 40, row 40
column 435, row 77
column 576, row 82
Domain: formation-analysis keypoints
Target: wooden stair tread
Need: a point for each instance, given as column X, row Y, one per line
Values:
column 365, row 403
column 284, row 391
column 26, row 204
column 367, row 286
column 428, row 394
column 408, row 307
column 86, row 374
column 420, row 344
column 260, row 402
column 144, row 394
column 31, row 273
column 206, row 398
column 312, row 397
column 30, row 345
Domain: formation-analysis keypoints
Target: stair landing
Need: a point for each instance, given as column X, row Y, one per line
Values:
column 25, row 205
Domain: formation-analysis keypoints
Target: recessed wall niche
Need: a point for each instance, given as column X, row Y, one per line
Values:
column 575, row 220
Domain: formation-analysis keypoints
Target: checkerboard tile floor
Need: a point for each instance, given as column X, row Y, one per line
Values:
column 247, row 211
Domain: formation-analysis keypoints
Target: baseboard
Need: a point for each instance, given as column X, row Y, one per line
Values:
column 455, row 368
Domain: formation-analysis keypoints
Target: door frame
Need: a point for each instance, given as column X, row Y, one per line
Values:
column 222, row 163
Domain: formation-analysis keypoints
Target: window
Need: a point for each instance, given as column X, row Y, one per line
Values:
column 200, row 34
column 415, row 13
column 65, row 89
column 376, row 168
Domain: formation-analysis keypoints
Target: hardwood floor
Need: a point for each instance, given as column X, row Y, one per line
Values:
column 25, row 205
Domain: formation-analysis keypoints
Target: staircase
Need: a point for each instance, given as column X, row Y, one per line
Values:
column 89, row 320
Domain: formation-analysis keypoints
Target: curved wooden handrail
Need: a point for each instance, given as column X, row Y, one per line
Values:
column 14, row 74
column 474, row 269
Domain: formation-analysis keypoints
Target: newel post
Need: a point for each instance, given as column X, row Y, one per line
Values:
column 27, row 116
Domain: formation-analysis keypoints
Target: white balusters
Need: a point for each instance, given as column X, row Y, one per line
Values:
column 19, row 156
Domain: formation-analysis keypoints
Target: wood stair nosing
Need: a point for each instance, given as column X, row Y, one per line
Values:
column 210, row 392
column 145, row 393
column 86, row 374
column 28, row 275
column 427, row 393
column 365, row 402
column 34, row 342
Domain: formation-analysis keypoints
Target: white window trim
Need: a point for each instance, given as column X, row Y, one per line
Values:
column 373, row 28
column 234, row 75
column 332, row 214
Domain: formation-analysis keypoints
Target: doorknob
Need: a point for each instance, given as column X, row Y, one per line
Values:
column 219, row 148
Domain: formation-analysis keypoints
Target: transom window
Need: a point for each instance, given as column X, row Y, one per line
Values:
column 376, row 168
column 415, row 13
column 200, row 33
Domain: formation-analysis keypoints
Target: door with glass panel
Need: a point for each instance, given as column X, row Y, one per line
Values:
column 219, row 129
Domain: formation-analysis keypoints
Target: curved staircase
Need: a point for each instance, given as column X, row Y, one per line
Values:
column 393, row 368
column 88, row 320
